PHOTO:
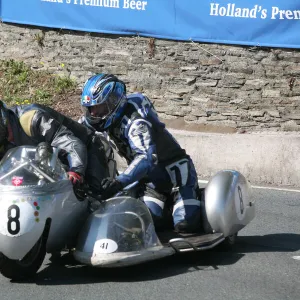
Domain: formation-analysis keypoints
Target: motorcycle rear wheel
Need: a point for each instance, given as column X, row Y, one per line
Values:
column 26, row 267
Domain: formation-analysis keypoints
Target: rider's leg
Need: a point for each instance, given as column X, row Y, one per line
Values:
column 155, row 201
column 186, row 210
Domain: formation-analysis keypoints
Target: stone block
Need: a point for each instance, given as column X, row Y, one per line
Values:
column 256, row 113
column 270, row 93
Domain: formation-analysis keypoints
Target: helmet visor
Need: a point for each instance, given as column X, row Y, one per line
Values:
column 99, row 111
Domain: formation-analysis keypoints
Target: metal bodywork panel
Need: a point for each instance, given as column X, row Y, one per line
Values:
column 32, row 192
column 68, row 217
column 228, row 203
column 35, row 205
column 121, row 230
column 121, row 233
column 123, row 259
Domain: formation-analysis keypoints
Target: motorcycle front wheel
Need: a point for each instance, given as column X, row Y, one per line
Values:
column 26, row 267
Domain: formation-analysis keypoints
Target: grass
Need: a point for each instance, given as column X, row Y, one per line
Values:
column 19, row 84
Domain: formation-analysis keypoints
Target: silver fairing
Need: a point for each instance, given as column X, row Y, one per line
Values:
column 119, row 233
column 228, row 203
column 32, row 192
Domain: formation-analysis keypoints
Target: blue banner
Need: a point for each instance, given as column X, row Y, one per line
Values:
column 273, row 23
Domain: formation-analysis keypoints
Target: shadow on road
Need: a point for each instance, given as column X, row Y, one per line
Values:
column 66, row 271
column 277, row 242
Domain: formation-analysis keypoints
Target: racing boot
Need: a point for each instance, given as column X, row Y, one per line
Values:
column 189, row 226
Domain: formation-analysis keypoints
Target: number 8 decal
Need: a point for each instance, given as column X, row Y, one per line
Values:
column 13, row 224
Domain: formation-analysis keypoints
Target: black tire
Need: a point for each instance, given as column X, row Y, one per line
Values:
column 228, row 243
column 26, row 267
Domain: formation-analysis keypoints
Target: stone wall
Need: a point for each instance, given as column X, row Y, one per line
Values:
column 205, row 87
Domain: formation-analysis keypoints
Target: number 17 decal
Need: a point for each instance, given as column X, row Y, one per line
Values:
column 178, row 172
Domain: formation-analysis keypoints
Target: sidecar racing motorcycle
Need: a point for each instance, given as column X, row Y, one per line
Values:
column 40, row 213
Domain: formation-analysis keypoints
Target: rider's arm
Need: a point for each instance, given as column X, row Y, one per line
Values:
column 141, row 143
column 42, row 127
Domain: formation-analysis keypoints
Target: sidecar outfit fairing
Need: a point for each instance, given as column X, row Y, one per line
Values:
column 119, row 233
column 34, row 193
column 40, row 213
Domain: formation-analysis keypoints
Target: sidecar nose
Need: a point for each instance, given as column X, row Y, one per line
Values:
column 21, row 223
column 119, row 233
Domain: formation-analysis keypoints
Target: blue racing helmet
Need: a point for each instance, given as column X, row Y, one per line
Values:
column 103, row 100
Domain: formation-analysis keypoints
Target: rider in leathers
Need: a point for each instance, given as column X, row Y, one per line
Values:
column 32, row 124
column 150, row 150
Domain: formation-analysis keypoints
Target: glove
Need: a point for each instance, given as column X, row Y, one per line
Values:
column 75, row 178
column 110, row 187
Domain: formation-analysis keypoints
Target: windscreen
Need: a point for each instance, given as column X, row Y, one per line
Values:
column 124, row 224
column 25, row 166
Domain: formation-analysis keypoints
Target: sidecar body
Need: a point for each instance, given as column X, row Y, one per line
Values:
column 121, row 231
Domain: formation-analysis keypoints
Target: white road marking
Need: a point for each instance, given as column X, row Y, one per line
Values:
column 263, row 187
column 276, row 189
column 296, row 257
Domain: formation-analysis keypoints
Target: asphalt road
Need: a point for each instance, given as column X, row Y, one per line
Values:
column 265, row 264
